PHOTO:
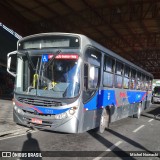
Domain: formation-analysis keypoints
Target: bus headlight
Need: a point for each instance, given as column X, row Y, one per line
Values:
column 19, row 110
column 72, row 110
column 15, row 108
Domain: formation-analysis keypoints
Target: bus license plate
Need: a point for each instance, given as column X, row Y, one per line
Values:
column 37, row 121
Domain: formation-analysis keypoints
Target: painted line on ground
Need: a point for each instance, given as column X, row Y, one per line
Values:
column 17, row 135
column 138, row 128
column 102, row 155
column 150, row 120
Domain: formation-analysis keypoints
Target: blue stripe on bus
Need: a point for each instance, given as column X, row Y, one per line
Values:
column 45, row 110
column 136, row 96
column 108, row 97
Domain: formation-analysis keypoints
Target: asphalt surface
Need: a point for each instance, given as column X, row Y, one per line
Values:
column 122, row 138
column 7, row 126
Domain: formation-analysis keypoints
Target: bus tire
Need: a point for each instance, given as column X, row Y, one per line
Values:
column 104, row 121
column 139, row 110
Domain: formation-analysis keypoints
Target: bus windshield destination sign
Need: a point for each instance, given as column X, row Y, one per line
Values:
column 49, row 42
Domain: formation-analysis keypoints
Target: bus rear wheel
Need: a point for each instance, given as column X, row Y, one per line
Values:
column 104, row 121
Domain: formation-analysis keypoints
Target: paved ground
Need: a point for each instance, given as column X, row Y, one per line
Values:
column 7, row 126
column 129, row 134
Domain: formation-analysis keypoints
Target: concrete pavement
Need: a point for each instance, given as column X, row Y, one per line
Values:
column 7, row 125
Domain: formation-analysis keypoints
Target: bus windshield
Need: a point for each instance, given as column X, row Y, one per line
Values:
column 43, row 75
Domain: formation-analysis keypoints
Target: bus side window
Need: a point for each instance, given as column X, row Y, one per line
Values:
column 118, row 75
column 108, row 75
column 91, row 72
column 126, row 77
column 146, row 83
column 143, row 83
column 150, row 84
column 138, row 85
column 133, row 79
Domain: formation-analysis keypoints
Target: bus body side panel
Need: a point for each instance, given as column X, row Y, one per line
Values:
column 92, row 113
column 122, row 103
column 67, row 125
column 91, row 119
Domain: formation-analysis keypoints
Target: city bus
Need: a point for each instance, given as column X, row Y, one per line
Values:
column 67, row 82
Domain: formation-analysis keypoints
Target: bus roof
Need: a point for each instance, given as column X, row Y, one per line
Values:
column 87, row 41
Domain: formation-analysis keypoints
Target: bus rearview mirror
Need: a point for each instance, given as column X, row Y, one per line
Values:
column 9, row 60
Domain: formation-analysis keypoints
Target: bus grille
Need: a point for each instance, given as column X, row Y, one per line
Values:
column 39, row 102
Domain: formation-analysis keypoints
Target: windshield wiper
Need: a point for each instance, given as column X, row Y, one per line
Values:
column 49, row 62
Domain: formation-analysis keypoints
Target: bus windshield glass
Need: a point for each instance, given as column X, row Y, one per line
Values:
column 49, row 42
column 48, row 76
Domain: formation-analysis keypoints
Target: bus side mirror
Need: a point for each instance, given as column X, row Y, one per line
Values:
column 9, row 61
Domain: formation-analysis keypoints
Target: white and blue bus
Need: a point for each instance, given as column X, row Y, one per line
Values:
column 69, row 83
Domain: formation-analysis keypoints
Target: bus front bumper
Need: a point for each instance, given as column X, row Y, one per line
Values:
column 68, row 124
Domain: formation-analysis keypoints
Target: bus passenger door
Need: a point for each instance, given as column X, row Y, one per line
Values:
column 91, row 96
column 91, row 90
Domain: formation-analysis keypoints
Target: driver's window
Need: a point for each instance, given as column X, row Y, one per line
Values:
column 91, row 73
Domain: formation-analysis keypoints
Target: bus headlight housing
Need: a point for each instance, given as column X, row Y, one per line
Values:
column 15, row 108
column 72, row 110
column 66, row 114
column 18, row 110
